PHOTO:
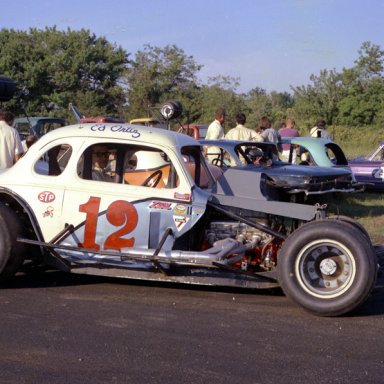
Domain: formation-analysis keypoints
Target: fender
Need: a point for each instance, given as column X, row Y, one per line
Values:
column 26, row 208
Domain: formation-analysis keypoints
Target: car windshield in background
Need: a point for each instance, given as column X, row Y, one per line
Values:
column 37, row 126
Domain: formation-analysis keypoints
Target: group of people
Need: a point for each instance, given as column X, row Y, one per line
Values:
column 264, row 132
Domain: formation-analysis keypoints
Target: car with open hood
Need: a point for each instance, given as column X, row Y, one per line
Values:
column 141, row 203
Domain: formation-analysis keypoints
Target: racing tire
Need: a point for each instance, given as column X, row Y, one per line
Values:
column 351, row 221
column 11, row 252
column 328, row 267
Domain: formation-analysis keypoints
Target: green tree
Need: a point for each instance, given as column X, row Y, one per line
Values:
column 275, row 105
column 159, row 74
column 319, row 100
column 58, row 67
column 363, row 99
column 221, row 92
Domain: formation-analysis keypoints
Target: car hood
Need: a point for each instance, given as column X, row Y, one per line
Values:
column 293, row 178
column 302, row 170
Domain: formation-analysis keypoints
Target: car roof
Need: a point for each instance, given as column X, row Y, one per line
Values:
column 123, row 131
column 233, row 143
column 306, row 140
column 36, row 118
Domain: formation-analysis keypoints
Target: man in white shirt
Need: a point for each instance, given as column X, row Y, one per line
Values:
column 215, row 132
column 240, row 132
column 11, row 148
column 320, row 130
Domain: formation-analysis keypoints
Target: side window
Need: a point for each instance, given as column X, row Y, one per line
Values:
column 127, row 164
column 148, row 167
column 54, row 161
column 203, row 173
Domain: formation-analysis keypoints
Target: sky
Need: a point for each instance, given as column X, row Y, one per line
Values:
column 271, row 44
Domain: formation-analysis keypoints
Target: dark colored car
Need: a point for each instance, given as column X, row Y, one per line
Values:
column 37, row 126
column 370, row 169
column 281, row 176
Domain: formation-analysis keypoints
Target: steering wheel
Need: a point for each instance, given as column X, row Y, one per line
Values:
column 218, row 162
column 153, row 179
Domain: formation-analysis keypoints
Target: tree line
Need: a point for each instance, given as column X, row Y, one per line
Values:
column 54, row 68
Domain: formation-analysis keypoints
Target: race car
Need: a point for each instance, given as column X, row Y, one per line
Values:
column 283, row 179
column 140, row 202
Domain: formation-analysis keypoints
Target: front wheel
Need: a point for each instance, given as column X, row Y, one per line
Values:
column 328, row 267
column 11, row 252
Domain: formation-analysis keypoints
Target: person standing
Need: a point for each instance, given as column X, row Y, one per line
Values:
column 215, row 132
column 11, row 148
column 289, row 130
column 269, row 134
column 320, row 130
column 241, row 132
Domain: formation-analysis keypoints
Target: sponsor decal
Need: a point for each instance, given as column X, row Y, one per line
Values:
column 182, row 196
column 46, row 197
column 180, row 222
column 198, row 211
column 133, row 132
column 165, row 205
column 48, row 212
column 180, row 209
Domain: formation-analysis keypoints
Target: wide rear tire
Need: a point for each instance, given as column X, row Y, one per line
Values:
column 11, row 252
column 328, row 267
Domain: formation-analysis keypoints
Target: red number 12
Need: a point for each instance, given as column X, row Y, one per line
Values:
column 119, row 213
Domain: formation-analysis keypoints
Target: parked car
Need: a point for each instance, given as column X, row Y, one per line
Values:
column 197, row 131
column 283, row 179
column 370, row 169
column 315, row 151
column 37, row 125
column 93, row 119
column 149, row 122
column 158, row 214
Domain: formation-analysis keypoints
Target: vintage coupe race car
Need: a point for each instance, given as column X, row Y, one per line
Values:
column 282, row 178
column 139, row 202
column 370, row 169
column 315, row 151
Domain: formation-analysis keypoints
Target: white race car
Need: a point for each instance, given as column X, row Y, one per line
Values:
column 139, row 202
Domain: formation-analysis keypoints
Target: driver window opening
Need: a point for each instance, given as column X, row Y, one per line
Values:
column 127, row 164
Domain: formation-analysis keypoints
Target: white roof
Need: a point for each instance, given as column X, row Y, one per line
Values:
column 130, row 132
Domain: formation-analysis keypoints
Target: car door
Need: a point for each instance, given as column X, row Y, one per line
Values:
column 132, row 208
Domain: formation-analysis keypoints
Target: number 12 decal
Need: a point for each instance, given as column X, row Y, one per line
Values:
column 119, row 213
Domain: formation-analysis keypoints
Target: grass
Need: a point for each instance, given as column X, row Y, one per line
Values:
column 366, row 208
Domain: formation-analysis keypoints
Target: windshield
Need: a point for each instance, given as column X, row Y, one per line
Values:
column 203, row 174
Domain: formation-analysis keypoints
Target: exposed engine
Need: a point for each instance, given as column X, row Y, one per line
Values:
column 263, row 254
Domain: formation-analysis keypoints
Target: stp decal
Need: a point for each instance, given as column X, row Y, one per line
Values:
column 46, row 197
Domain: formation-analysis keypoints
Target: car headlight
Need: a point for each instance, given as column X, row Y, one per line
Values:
column 290, row 180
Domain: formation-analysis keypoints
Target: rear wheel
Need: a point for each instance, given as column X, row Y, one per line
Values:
column 328, row 267
column 11, row 252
